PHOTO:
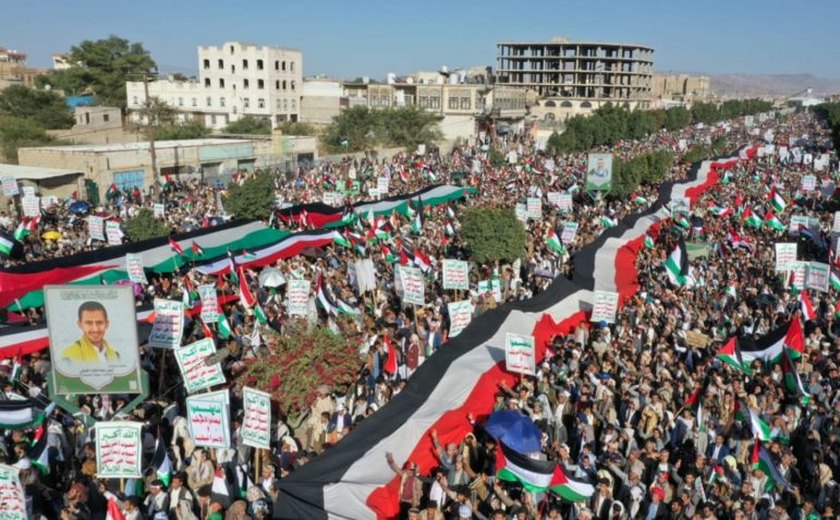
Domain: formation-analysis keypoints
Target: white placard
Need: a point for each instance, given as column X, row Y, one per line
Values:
column 456, row 274
column 799, row 274
column 96, row 227
column 494, row 286
column 159, row 210
column 332, row 198
column 31, row 206
column 382, row 185
column 195, row 371
column 521, row 212
column 134, row 266
column 604, row 306
column 256, row 425
column 113, row 233
column 681, row 205
column 817, row 276
column 553, row 198
column 809, row 182
column 11, row 491
column 28, row 191
column 460, row 315
column 168, row 327
column 785, row 255
column 567, row 236
column 534, row 208
column 413, row 285
column 119, row 450
column 836, row 227
column 565, row 202
column 209, row 420
column 520, row 354
column 373, row 193
column 298, row 297
column 209, row 303
column 10, row 186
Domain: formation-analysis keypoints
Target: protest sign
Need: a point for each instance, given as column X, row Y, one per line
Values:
column 256, row 425
column 209, row 303
column 96, row 228
column 119, row 450
column 696, row 339
column 553, row 198
column 460, row 315
column 809, row 182
column 493, row 285
column 521, row 211
column 785, row 255
column 413, row 286
column 298, row 296
column 208, row 417
column 836, row 227
column 197, row 374
column 456, row 274
column 134, row 267
column 365, row 275
column 159, row 210
column 520, row 354
column 599, row 172
column 817, row 276
column 31, row 206
column 113, row 233
column 567, row 236
column 681, row 205
column 333, row 198
column 11, row 494
column 79, row 320
column 382, row 185
column 28, row 191
column 168, row 326
column 565, row 202
column 373, row 193
column 534, row 207
column 10, row 186
column 604, row 306
column 798, row 276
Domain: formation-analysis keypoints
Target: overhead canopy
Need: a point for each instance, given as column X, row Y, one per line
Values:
column 34, row 173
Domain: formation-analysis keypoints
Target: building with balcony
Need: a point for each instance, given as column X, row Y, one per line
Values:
column 235, row 80
column 574, row 78
column 13, row 69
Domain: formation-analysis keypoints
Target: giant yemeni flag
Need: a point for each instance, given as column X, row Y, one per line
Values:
column 538, row 476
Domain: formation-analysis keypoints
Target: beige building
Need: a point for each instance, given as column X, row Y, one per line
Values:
column 13, row 69
column 681, row 87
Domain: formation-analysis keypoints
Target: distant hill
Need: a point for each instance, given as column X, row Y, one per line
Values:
column 775, row 85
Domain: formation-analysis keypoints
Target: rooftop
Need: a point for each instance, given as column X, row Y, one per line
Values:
column 142, row 145
column 34, row 173
column 570, row 43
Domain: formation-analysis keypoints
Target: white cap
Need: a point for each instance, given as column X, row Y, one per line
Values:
column 464, row 511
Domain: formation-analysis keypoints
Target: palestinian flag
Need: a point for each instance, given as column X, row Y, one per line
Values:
column 417, row 223
column 197, row 250
column 330, row 305
column 175, row 246
column 224, row 327
column 769, row 348
column 793, row 382
column 220, row 491
column 770, row 220
column 649, row 243
column 161, row 462
column 260, row 314
column 450, row 212
column 165, row 183
column 404, row 176
column 682, row 222
column 553, row 242
column 112, row 192
column 730, row 355
column 751, row 219
column 731, row 291
column 776, row 200
column 719, row 211
column 538, row 476
column 26, row 227
column 9, row 247
column 638, row 199
column 20, row 414
column 449, row 230
column 806, row 307
column 389, row 256
column 677, row 266
column 391, row 362
column 759, row 427
column 795, row 340
column 608, row 222
column 245, row 295
column 40, row 452
column 422, row 261
column 763, row 461
column 342, row 240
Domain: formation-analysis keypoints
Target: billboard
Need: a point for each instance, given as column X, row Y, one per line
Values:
column 599, row 172
column 89, row 355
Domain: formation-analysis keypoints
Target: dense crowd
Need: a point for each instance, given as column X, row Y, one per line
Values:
column 609, row 399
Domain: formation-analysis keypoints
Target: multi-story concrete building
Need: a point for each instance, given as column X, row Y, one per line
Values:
column 13, row 69
column 235, row 80
column 681, row 87
column 578, row 77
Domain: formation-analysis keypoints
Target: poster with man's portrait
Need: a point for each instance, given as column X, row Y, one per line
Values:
column 93, row 339
column 599, row 172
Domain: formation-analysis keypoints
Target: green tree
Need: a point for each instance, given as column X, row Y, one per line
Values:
column 254, row 199
column 19, row 133
column 356, row 126
column 46, row 109
column 249, row 125
column 408, row 127
column 676, row 118
column 144, row 226
column 493, row 234
column 102, row 67
column 297, row 128
column 181, row 130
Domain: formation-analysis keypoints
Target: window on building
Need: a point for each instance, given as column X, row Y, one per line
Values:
column 276, row 65
column 434, row 102
column 127, row 181
column 293, row 85
column 195, row 102
column 245, row 83
column 260, row 84
column 244, row 64
column 453, row 103
column 209, row 101
column 279, row 104
column 233, row 109
column 233, row 69
column 221, row 64
column 284, row 84
column 106, row 118
column 221, row 101
column 277, row 85
column 466, row 102
column 261, row 102
column 135, row 101
column 180, row 101
column 221, row 83
column 206, row 64
column 283, row 65
column 212, row 119
column 231, row 49
column 285, row 105
column 207, row 82
column 291, row 66
column 294, row 104
column 246, row 102
column 259, row 64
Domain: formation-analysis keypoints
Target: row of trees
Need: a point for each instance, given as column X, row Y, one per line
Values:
column 25, row 116
column 610, row 124
column 360, row 128
column 647, row 168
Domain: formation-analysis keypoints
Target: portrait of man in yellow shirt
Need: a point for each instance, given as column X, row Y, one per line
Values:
column 92, row 346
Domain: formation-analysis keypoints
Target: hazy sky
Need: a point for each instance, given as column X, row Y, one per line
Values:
column 374, row 37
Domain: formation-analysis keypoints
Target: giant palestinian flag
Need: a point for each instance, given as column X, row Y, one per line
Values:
column 353, row 479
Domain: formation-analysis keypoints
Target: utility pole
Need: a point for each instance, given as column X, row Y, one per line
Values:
column 150, row 135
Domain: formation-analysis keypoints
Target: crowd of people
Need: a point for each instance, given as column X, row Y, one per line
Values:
column 609, row 399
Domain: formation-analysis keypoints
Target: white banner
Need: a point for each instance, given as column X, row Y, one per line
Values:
column 113, row 233
column 534, row 207
column 456, row 274
column 382, row 185
column 817, row 276
column 413, row 285
column 134, row 266
column 298, row 297
column 31, row 206
column 208, row 417
column 209, row 303
column 365, row 275
column 553, row 198
column 809, row 182
column 494, row 286
column 520, row 354
column 119, row 449
column 159, row 210
column 96, row 227
column 10, row 186
column 256, row 426
column 785, row 255
column 569, row 232
column 169, row 324
column 521, row 211
column 604, row 306
column 196, row 373
column 460, row 315
column 11, row 494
